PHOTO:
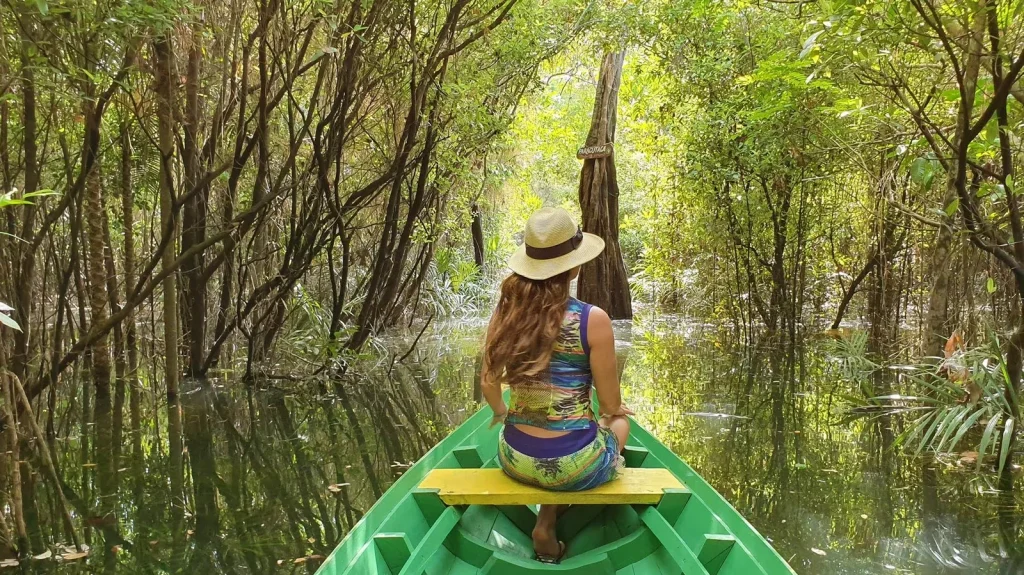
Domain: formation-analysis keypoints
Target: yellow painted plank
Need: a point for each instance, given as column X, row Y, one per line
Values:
column 493, row 487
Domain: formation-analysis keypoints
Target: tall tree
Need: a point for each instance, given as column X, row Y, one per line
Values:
column 604, row 282
column 164, row 71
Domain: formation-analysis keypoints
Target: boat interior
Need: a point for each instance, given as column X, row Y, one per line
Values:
column 688, row 529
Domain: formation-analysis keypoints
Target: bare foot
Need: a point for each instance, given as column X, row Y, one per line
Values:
column 545, row 542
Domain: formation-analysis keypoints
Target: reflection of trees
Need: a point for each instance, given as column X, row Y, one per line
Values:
column 798, row 475
column 232, row 479
column 197, row 409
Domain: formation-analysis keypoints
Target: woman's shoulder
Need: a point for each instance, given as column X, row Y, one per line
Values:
column 584, row 308
column 599, row 316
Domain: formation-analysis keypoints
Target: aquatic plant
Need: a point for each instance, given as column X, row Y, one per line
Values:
column 946, row 400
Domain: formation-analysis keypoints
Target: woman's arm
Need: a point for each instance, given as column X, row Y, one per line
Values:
column 602, row 363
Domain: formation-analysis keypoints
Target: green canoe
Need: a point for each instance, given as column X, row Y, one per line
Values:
column 692, row 531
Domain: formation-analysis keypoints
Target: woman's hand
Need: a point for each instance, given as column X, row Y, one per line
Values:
column 499, row 417
column 622, row 411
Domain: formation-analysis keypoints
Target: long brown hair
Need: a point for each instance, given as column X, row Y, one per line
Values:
column 524, row 327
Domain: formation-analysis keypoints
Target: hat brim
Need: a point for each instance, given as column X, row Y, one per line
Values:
column 535, row 269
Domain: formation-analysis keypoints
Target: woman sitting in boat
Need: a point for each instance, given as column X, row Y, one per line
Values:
column 552, row 350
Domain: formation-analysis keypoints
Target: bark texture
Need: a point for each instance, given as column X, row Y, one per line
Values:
column 603, row 282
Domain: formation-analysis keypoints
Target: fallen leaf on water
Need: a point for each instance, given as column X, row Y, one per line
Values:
column 9, row 563
column 299, row 561
column 280, row 561
column 311, row 539
column 74, row 556
column 190, row 533
column 43, row 555
column 88, row 465
column 863, row 515
column 336, row 488
column 818, row 551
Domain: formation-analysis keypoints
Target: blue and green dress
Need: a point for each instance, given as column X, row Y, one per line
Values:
column 585, row 457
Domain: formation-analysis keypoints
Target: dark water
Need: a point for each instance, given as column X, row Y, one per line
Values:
column 271, row 478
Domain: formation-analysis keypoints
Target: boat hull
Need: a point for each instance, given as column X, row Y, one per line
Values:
column 409, row 530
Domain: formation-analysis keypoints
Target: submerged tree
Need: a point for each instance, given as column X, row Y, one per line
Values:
column 603, row 282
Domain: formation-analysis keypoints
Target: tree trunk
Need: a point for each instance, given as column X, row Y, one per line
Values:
column 937, row 327
column 193, row 223
column 603, row 282
column 165, row 113
column 130, row 340
column 98, row 301
column 25, row 261
column 478, row 237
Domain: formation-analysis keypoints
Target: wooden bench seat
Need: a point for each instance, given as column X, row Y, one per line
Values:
column 493, row 487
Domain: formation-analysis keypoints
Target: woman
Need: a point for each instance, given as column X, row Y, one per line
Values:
column 552, row 350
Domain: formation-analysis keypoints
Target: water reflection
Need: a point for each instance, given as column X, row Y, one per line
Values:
column 833, row 498
column 236, row 479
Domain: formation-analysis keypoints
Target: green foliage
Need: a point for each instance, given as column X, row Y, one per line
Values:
column 965, row 398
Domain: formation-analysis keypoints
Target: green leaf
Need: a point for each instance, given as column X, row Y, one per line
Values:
column 986, row 438
column 6, row 201
column 9, row 322
column 953, row 207
column 809, row 44
column 967, row 425
column 922, row 172
column 1010, row 188
column 1004, row 450
column 953, row 423
column 990, row 286
column 41, row 193
column 929, row 433
column 44, row 8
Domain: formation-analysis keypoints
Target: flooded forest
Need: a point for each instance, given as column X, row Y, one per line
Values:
column 248, row 250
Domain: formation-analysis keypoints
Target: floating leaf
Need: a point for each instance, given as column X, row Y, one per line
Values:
column 818, row 551
column 43, row 556
column 75, row 556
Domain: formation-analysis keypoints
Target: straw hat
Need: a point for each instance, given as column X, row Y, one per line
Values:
column 553, row 244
